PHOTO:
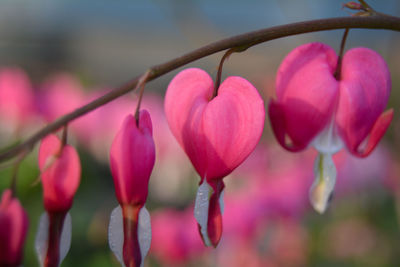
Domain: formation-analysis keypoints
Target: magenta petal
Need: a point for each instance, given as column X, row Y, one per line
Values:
column 185, row 100
column 307, row 92
column 216, row 134
column 378, row 130
column 277, row 119
column 364, row 93
column 132, row 158
column 232, row 124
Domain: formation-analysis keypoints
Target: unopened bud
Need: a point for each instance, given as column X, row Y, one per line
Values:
column 354, row 6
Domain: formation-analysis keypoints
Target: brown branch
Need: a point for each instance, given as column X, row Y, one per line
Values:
column 378, row 21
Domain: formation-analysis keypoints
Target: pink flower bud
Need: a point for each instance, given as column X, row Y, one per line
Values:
column 13, row 230
column 132, row 158
column 60, row 172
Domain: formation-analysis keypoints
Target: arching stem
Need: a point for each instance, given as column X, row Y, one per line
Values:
column 141, row 84
column 378, row 21
column 221, row 63
column 338, row 70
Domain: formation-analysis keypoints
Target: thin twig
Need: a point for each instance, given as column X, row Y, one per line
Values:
column 247, row 39
column 221, row 64
column 141, row 84
column 338, row 70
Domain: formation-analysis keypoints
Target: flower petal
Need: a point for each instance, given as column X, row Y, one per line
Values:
column 324, row 183
column 307, row 92
column 364, row 92
column 377, row 132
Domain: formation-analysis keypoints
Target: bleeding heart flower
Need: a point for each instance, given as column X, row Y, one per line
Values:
column 13, row 229
column 132, row 158
column 60, row 173
column 315, row 108
column 216, row 133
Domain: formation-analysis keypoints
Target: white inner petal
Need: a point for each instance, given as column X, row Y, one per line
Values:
column 116, row 234
column 328, row 141
column 201, row 209
column 221, row 201
column 42, row 234
column 144, row 232
column 324, row 183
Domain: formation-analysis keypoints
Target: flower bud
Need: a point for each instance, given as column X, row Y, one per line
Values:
column 13, row 230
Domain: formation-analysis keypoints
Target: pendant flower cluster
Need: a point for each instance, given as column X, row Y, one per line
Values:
column 315, row 108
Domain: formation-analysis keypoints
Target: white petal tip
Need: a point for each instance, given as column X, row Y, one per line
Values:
column 116, row 234
column 144, row 232
column 201, row 210
column 325, row 178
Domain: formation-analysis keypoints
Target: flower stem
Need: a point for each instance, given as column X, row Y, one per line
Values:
column 131, row 249
column 338, row 70
column 56, row 223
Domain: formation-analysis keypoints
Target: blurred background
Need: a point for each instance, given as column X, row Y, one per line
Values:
column 57, row 55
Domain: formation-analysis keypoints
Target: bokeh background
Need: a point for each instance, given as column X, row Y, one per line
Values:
column 57, row 55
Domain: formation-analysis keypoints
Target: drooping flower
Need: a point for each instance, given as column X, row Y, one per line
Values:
column 132, row 158
column 314, row 108
column 13, row 229
column 60, row 174
column 217, row 134
column 17, row 107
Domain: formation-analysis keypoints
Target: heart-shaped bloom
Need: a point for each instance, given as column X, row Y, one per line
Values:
column 132, row 158
column 216, row 133
column 13, row 230
column 313, row 107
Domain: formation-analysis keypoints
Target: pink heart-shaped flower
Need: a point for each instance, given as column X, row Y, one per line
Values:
column 217, row 134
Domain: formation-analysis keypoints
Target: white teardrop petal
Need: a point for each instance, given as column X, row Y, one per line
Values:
column 221, row 201
column 144, row 232
column 201, row 210
column 41, row 238
column 42, row 235
column 116, row 234
column 324, row 183
column 65, row 242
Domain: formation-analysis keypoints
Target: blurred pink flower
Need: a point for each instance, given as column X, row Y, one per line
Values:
column 13, row 230
column 17, row 100
column 176, row 241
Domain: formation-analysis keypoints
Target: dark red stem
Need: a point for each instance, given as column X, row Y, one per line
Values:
column 131, row 250
column 56, row 223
